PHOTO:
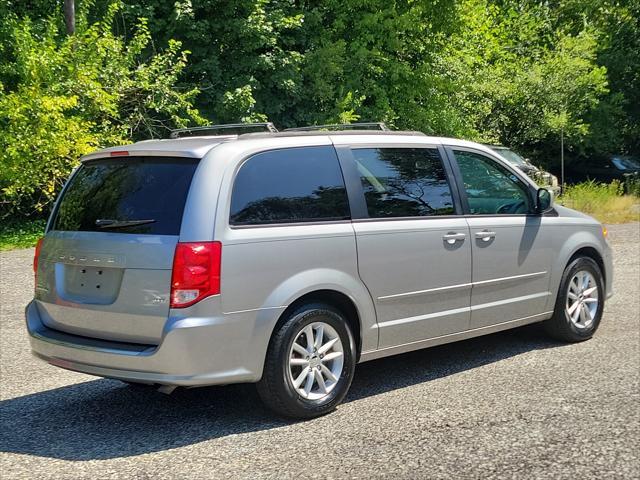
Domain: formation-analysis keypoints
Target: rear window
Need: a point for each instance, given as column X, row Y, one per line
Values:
column 133, row 195
column 288, row 186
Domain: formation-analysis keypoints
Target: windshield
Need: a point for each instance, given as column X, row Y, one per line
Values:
column 143, row 195
column 626, row 163
column 511, row 156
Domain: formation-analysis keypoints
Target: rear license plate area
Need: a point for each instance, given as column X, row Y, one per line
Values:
column 87, row 284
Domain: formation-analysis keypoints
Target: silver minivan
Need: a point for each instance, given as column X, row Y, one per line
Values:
column 285, row 258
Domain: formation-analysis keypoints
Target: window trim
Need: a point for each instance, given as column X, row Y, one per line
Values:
column 246, row 158
column 355, row 190
column 449, row 149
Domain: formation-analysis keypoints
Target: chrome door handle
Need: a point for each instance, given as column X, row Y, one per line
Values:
column 452, row 238
column 485, row 235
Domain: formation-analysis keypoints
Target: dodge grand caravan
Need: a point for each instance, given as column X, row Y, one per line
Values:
column 285, row 258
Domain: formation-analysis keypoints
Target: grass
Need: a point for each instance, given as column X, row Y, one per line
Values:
column 606, row 202
column 20, row 234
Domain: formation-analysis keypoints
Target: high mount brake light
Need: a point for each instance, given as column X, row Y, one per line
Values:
column 196, row 272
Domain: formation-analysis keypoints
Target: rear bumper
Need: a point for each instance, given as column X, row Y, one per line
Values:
column 194, row 351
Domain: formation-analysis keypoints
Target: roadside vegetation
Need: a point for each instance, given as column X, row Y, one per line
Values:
column 521, row 73
column 606, row 202
column 20, row 234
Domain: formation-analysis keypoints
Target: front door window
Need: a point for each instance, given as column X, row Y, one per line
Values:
column 491, row 188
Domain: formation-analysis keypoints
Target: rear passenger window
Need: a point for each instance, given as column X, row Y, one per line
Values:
column 403, row 182
column 288, row 186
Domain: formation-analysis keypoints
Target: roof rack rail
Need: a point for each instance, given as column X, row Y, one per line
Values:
column 223, row 129
column 342, row 126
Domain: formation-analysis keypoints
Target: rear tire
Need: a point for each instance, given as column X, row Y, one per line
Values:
column 580, row 302
column 309, row 364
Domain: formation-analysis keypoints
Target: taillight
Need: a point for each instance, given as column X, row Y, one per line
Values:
column 36, row 256
column 36, row 259
column 196, row 272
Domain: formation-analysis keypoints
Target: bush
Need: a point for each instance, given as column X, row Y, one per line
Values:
column 64, row 96
column 606, row 202
column 632, row 186
column 20, row 234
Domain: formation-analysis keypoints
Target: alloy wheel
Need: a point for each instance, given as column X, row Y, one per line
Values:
column 316, row 360
column 582, row 299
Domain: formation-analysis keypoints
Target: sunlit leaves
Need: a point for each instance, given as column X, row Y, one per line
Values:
column 64, row 96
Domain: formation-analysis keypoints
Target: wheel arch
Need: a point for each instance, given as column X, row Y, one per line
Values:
column 592, row 253
column 341, row 289
column 581, row 243
column 338, row 300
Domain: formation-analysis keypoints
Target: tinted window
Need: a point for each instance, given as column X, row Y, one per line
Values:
column 491, row 188
column 289, row 185
column 132, row 189
column 403, row 182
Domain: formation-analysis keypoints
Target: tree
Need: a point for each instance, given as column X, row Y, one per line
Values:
column 63, row 96
column 517, row 72
column 520, row 82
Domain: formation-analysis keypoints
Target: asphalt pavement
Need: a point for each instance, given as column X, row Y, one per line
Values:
column 508, row 405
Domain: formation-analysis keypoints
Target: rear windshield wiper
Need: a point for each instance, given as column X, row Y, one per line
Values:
column 108, row 223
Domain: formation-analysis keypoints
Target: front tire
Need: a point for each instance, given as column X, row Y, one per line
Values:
column 310, row 363
column 580, row 302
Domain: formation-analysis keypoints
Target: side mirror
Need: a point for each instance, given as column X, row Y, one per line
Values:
column 544, row 200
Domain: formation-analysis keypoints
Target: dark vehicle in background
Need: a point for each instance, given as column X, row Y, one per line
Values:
column 624, row 168
column 540, row 176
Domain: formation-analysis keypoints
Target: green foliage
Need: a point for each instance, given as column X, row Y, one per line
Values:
column 616, row 23
column 512, row 72
column 40, row 141
column 20, row 234
column 520, row 81
column 606, row 202
column 64, row 96
column 241, row 104
column 632, row 186
column 377, row 56
column 245, row 58
column 516, row 72
column 301, row 64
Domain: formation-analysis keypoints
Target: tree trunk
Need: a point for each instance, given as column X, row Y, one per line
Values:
column 70, row 16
